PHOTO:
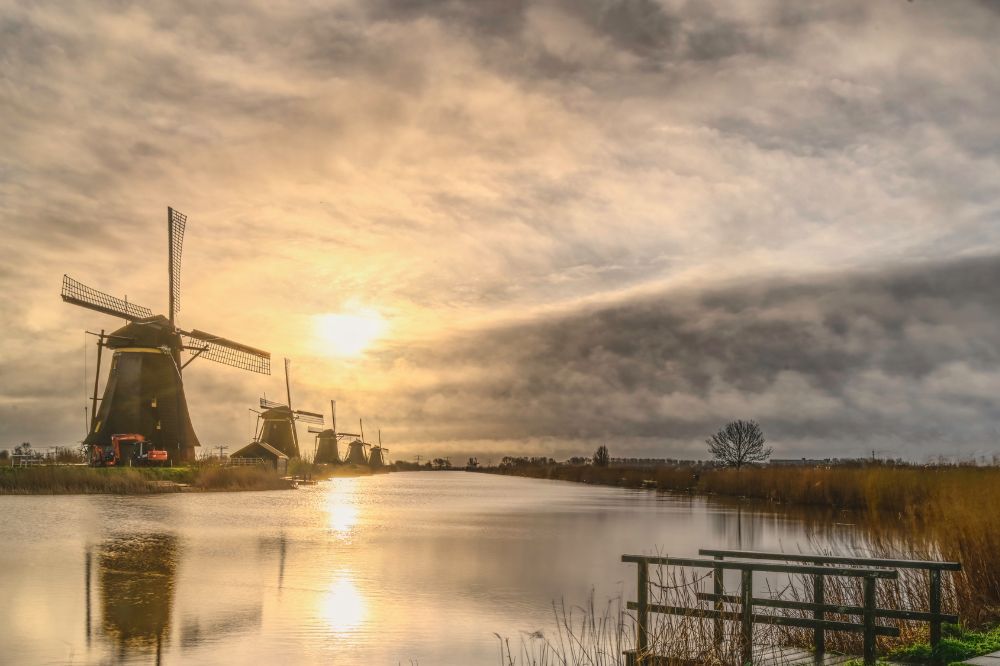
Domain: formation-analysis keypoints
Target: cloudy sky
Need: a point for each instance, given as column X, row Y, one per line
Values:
column 501, row 227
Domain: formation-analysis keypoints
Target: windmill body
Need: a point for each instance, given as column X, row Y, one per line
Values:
column 375, row 458
column 277, row 428
column 276, row 424
column 356, row 453
column 328, row 441
column 327, row 447
column 144, row 393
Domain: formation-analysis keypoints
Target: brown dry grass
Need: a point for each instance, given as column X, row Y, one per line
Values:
column 950, row 513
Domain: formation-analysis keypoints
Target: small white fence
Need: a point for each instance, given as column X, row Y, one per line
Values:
column 244, row 462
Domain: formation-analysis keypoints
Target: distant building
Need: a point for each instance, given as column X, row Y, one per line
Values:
column 649, row 462
column 802, row 462
column 261, row 451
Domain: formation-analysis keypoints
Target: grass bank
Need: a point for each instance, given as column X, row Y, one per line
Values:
column 73, row 479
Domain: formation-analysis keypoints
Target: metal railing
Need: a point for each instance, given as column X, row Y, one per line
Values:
column 870, row 570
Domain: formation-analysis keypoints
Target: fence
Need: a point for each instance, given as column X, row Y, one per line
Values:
column 26, row 460
column 819, row 567
column 244, row 462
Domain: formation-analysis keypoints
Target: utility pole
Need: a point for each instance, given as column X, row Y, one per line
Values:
column 418, row 459
column 221, row 449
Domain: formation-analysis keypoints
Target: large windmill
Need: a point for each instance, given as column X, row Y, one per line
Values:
column 277, row 422
column 144, row 393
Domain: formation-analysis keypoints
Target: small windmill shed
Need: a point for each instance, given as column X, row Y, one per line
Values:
column 262, row 451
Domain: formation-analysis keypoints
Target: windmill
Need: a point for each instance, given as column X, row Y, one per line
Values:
column 376, row 457
column 356, row 454
column 277, row 422
column 144, row 393
column 327, row 448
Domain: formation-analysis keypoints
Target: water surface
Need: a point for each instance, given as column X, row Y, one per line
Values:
column 418, row 567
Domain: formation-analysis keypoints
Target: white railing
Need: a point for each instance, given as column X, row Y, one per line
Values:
column 244, row 462
column 26, row 460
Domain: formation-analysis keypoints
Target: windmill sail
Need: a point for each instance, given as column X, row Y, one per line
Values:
column 227, row 352
column 308, row 417
column 80, row 294
column 176, row 222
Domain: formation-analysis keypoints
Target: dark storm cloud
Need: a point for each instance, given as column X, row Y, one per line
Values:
column 907, row 359
column 449, row 162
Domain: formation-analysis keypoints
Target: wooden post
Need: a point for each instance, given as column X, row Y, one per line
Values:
column 819, row 638
column 642, row 619
column 935, row 575
column 869, row 615
column 746, row 617
column 718, row 590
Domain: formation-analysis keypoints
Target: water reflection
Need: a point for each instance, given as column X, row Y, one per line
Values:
column 342, row 507
column 136, row 577
column 342, row 606
column 351, row 571
column 742, row 529
column 196, row 630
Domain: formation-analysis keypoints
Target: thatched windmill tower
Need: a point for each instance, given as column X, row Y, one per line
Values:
column 144, row 392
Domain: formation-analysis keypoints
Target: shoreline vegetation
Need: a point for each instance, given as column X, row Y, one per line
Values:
column 947, row 512
column 943, row 512
column 199, row 477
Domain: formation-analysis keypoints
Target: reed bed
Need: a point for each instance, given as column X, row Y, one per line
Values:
column 61, row 480
column 950, row 513
column 79, row 479
column 599, row 636
column 239, row 478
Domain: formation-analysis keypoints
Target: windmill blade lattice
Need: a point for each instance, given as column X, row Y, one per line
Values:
column 308, row 417
column 80, row 294
column 176, row 222
column 270, row 404
column 227, row 352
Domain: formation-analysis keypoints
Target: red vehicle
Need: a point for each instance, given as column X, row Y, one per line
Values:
column 130, row 449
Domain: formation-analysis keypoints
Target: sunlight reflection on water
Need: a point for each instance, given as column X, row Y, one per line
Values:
column 423, row 566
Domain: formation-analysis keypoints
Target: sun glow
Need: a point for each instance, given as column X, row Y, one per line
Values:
column 348, row 334
column 343, row 606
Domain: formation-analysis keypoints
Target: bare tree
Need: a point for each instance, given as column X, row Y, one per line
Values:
column 601, row 456
column 739, row 443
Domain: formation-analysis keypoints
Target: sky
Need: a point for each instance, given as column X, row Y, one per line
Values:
column 520, row 227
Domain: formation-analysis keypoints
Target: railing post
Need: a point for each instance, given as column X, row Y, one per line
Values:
column 869, row 615
column 746, row 616
column 642, row 619
column 819, row 638
column 935, row 575
column 718, row 590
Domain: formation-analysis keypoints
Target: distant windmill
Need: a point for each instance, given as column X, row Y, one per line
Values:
column 327, row 448
column 376, row 457
column 356, row 454
column 144, row 393
column 277, row 422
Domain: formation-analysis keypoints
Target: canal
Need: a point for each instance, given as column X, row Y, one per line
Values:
column 417, row 567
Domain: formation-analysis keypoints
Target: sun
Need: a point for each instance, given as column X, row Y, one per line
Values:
column 348, row 334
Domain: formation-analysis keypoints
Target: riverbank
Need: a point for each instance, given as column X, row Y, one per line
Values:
column 945, row 512
column 80, row 479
